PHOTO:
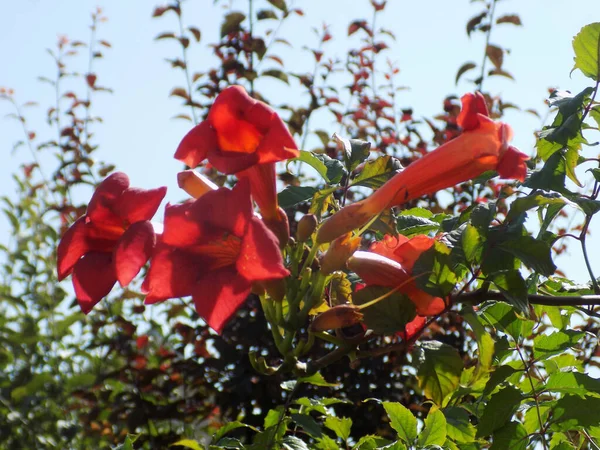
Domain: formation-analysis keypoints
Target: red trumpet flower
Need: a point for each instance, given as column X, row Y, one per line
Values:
column 213, row 249
column 245, row 137
column 111, row 242
column 390, row 262
column 482, row 146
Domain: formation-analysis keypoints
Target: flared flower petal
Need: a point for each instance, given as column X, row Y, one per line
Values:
column 259, row 257
column 133, row 251
column 473, row 105
column 93, row 278
column 100, row 209
column 135, row 204
column 512, row 164
column 218, row 295
column 194, row 147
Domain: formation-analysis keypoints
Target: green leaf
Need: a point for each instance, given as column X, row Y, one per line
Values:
column 498, row 376
column 438, row 369
column 595, row 114
column 272, row 417
column 587, row 50
column 375, row 173
column 231, row 23
column 458, row 426
column 308, row 424
column 330, row 169
column 534, row 200
column 534, row 253
column 355, row 151
column 499, row 409
column 402, row 420
column 502, row 316
column 292, row 195
column 386, row 316
column 293, row 443
column 264, row 14
column 551, row 176
column 557, row 342
column 573, row 383
column 316, row 379
column 571, row 412
column 340, row 426
column 413, row 225
column 370, row 442
column 229, row 427
column 188, row 443
column 513, row 287
column 473, row 243
column 435, row 429
column 438, row 263
column 279, row 4
column 485, row 343
column 513, row 436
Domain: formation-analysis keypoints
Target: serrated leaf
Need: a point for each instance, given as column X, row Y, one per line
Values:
column 229, row 427
column 513, row 287
column 499, row 410
column 463, row 69
column 551, row 176
column 502, row 316
column 555, row 343
column 188, row 443
column 534, row 200
column 458, row 426
column 402, row 420
column 293, row 443
column 438, row 370
column 375, row 173
column 586, row 45
column 574, row 383
column 355, row 151
column 231, row 23
column 534, row 253
column 316, row 379
column 292, row 195
column 330, row 169
column 308, row 424
column 387, row 316
column 437, row 262
column 473, row 243
column 340, row 426
column 434, row 432
column 512, row 436
column 572, row 412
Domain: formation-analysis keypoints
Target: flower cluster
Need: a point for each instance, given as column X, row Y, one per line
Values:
column 217, row 249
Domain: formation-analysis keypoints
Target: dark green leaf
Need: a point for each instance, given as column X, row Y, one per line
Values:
column 330, row 169
column 464, row 68
column 308, row 424
column 534, row 253
column 275, row 73
column 438, row 263
column 512, row 436
column 458, row 426
column 438, row 369
column 229, row 427
column 292, row 195
column 355, row 151
column 386, row 316
column 502, row 316
column 293, row 443
column 266, row 14
column 572, row 412
column 279, row 4
column 499, row 410
column 513, row 287
column 573, row 383
column 316, row 379
column 549, row 177
column 535, row 200
column 498, row 376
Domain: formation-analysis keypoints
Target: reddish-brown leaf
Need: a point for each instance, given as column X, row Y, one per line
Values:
column 464, row 68
column 165, row 36
column 496, row 55
column 474, row 22
column 510, row 18
column 91, row 79
column 196, row 32
column 179, row 92
column 501, row 72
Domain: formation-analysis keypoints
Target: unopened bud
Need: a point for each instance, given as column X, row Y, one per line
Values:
column 306, row 227
column 194, row 183
column 338, row 253
column 376, row 269
column 340, row 316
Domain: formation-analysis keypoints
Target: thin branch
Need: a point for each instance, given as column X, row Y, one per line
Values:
column 535, row 299
column 487, row 43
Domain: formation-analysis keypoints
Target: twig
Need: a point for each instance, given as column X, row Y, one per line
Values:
column 487, row 43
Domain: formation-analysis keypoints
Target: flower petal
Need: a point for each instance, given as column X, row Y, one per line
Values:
column 100, row 208
column 196, row 144
column 260, row 258
column 136, row 204
column 225, row 209
column 427, row 304
column 75, row 243
column 408, row 253
column 388, row 245
column 472, row 106
column 173, row 273
column 377, row 270
column 512, row 164
column 179, row 230
column 263, row 188
column 232, row 162
column 218, row 295
column 93, row 278
column 133, row 251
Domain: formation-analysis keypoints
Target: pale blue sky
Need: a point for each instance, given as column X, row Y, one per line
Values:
column 139, row 136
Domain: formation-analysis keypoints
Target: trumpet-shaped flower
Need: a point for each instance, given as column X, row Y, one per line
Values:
column 482, row 146
column 111, row 242
column 245, row 137
column 390, row 262
column 214, row 249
